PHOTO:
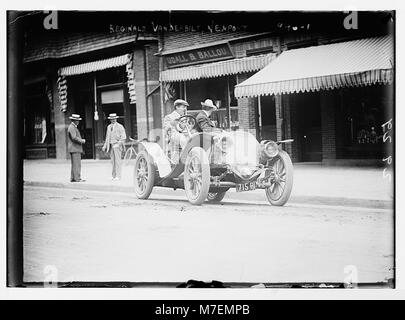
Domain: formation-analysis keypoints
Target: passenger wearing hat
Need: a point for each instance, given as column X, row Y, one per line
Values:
column 203, row 118
column 75, row 148
column 173, row 137
column 114, row 143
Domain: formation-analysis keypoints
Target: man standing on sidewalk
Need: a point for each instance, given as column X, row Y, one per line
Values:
column 115, row 138
column 75, row 148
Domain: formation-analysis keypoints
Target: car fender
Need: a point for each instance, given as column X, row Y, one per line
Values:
column 160, row 159
column 200, row 139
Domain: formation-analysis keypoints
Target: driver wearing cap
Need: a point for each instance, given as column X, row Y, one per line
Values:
column 174, row 138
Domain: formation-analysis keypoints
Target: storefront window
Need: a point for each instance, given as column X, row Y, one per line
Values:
column 112, row 96
column 38, row 123
column 234, row 118
column 220, row 91
column 363, row 111
column 214, row 89
column 39, row 129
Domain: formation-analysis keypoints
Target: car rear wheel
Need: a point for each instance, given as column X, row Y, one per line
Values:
column 197, row 176
column 215, row 197
column 281, row 180
column 144, row 175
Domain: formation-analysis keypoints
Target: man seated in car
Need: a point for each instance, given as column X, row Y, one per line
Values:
column 174, row 139
column 203, row 118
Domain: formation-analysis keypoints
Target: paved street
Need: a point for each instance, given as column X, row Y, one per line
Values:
column 112, row 236
column 313, row 183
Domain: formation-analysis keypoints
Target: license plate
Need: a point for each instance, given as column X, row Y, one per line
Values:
column 240, row 187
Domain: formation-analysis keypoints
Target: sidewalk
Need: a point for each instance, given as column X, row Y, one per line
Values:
column 313, row 183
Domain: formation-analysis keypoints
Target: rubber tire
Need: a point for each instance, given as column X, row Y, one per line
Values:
column 285, row 158
column 219, row 196
column 151, row 180
column 205, row 175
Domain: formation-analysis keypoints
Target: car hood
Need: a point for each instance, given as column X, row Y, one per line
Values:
column 242, row 149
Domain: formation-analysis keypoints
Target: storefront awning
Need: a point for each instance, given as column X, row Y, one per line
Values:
column 124, row 60
column 95, row 66
column 346, row 64
column 217, row 69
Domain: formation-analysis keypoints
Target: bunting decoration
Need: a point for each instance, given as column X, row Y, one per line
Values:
column 131, row 80
column 62, row 88
column 49, row 94
column 170, row 92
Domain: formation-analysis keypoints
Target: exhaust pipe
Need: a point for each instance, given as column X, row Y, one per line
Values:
column 224, row 184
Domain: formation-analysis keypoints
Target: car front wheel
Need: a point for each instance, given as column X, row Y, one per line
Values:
column 197, row 176
column 144, row 175
column 281, row 180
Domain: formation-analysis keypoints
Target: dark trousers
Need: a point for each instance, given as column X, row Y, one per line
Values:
column 76, row 158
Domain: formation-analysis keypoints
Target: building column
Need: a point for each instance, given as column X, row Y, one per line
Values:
column 15, row 107
column 294, row 120
column 146, row 69
column 140, row 90
column 328, row 118
column 279, row 117
column 287, row 126
column 153, row 84
column 127, row 113
column 247, row 110
column 283, row 121
column 61, row 122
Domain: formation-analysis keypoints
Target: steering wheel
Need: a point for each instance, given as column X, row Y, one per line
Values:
column 186, row 124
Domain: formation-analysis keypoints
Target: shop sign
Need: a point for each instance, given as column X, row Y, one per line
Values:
column 209, row 54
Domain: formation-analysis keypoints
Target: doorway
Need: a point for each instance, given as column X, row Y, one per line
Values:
column 110, row 101
column 82, row 102
column 267, row 118
column 111, row 97
column 308, row 112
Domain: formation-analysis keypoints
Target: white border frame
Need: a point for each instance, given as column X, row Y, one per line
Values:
column 244, row 294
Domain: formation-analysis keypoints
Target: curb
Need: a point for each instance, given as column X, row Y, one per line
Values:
column 314, row 200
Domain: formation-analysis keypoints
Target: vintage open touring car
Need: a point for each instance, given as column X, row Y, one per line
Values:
column 213, row 162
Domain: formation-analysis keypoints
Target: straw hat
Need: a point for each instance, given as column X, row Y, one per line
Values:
column 112, row 116
column 75, row 117
column 208, row 103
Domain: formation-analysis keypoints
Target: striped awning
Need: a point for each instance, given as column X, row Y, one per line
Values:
column 95, row 65
column 346, row 64
column 217, row 69
column 124, row 60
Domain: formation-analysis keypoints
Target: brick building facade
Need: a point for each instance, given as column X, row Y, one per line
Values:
column 313, row 119
column 339, row 124
column 95, row 70
column 326, row 125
